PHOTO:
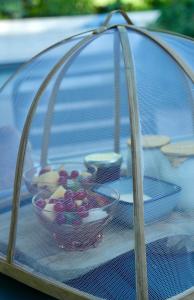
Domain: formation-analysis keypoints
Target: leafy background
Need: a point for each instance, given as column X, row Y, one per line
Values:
column 176, row 15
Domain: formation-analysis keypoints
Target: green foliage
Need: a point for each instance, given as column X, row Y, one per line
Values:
column 127, row 5
column 157, row 4
column 177, row 16
column 42, row 8
column 10, row 9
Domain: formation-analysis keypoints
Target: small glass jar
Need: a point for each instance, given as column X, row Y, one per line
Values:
column 108, row 165
column 178, row 167
column 152, row 155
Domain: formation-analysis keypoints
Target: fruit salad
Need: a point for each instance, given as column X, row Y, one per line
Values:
column 50, row 178
column 75, row 218
column 72, row 206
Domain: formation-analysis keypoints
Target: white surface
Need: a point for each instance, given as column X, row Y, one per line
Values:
column 21, row 39
column 95, row 215
column 181, row 175
column 129, row 197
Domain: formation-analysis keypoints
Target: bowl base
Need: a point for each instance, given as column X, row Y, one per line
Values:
column 73, row 245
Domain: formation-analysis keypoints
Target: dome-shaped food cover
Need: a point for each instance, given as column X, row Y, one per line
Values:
column 97, row 167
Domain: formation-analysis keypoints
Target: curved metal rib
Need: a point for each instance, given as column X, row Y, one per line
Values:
column 117, row 114
column 172, row 33
column 140, row 249
column 121, row 12
column 24, row 140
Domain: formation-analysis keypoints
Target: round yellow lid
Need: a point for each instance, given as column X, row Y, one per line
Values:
column 185, row 148
column 153, row 141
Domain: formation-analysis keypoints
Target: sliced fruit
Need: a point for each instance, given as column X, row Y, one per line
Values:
column 78, row 202
column 59, row 207
column 85, row 174
column 48, row 212
column 48, row 178
column 59, row 193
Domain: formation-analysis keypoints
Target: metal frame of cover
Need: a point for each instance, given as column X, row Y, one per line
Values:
column 36, row 280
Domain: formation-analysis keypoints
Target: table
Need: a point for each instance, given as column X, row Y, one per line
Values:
column 36, row 249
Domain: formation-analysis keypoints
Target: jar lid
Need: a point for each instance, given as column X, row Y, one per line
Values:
column 180, row 149
column 152, row 141
column 103, row 159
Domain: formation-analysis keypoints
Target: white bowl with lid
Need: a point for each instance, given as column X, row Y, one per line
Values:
column 152, row 155
column 107, row 164
column 178, row 167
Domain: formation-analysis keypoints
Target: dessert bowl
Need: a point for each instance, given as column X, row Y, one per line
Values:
column 76, row 219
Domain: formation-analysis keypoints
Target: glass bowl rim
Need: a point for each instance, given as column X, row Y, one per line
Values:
column 56, row 164
column 116, row 198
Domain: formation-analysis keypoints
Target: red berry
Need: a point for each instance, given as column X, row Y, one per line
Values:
column 88, row 206
column 81, row 194
column 63, row 173
column 69, row 195
column 74, row 174
column 70, row 205
column 76, row 195
column 60, row 219
column 59, row 206
column 62, row 180
column 82, row 211
column 40, row 203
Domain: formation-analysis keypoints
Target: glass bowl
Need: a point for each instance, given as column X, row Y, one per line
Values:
column 76, row 224
column 49, row 178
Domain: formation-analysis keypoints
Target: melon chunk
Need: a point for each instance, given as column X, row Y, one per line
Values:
column 59, row 193
column 48, row 178
column 48, row 212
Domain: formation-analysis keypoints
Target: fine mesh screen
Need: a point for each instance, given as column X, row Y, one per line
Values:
column 75, row 220
column 16, row 99
column 183, row 47
column 91, row 256
column 166, row 112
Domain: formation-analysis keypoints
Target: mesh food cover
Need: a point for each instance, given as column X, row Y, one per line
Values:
column 97, row 167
